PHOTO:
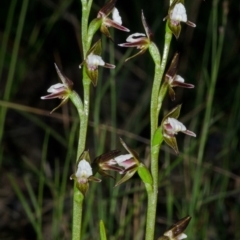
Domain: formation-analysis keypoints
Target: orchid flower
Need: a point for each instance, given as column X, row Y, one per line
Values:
column 131, row 164
column 93, row 60
column 105, row 22
column 60, row 90
column 175, row 232
column 139, row 40
column 176, row 14
column 84, row 173
column 106, row 162
column 174, row 80
column 171, row 127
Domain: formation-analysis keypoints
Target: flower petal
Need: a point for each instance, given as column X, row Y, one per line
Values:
column 177, row 229
column 108, row 65
column 110, row 23
column 67, row 82
column 131, row 151
column 107, row 8
column 179, row 13
column 61, row 103
column 134, row 37
column 172, row 70
column 172, row 142
column 174, row 113
column 127, row 176
column 137, row 54
column 93, row 61
column 171, row 93
column 116, row 16
column 146, row 27
column 93, row 75
column 84, row 169
column 191, row 24
column 190, row 133
column 56, row 88
column 176, row 125
column 181, row 84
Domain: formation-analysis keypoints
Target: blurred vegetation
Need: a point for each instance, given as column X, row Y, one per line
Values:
column 37, row 150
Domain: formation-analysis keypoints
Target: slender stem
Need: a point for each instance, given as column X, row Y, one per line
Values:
column 86, row 7
column 155, row 88
column 158, row 95
column 83, row 112
column 83, row 116
column 163, row 90
column 152, row 195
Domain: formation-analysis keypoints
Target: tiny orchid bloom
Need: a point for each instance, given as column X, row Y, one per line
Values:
column 84, row 173
column 175, row 232
column 139, row 40
column 171, row 126
column 177, row 14
column 93, row 60
column 60, row 90
column 106, row 22
column 106, row 162
column 130, row 162
column 174, row 80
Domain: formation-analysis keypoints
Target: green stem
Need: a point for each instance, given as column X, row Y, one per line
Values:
column 155, row 88
column 83, row 112
column 152, row 195
column 158, row 95
column 86, row 7
column 83, row 116
column 163, row 90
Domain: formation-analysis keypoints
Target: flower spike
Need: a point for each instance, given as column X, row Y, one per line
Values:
column 93, row 60
column 106, row 22
column 177, row 14
column 171, row 126
column 174, row 80
column 139, row 40
column 175, row 232
column 60, row 90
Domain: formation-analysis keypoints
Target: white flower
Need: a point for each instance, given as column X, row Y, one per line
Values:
column 178, row 14
column 176, row 126
column 93, row 61
column 179, row 78
column 56, row 87
column 172, row 126
column 122, row 158
column 178, row 237
column 116, row 17
column 134, row 37
column 84, row 171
